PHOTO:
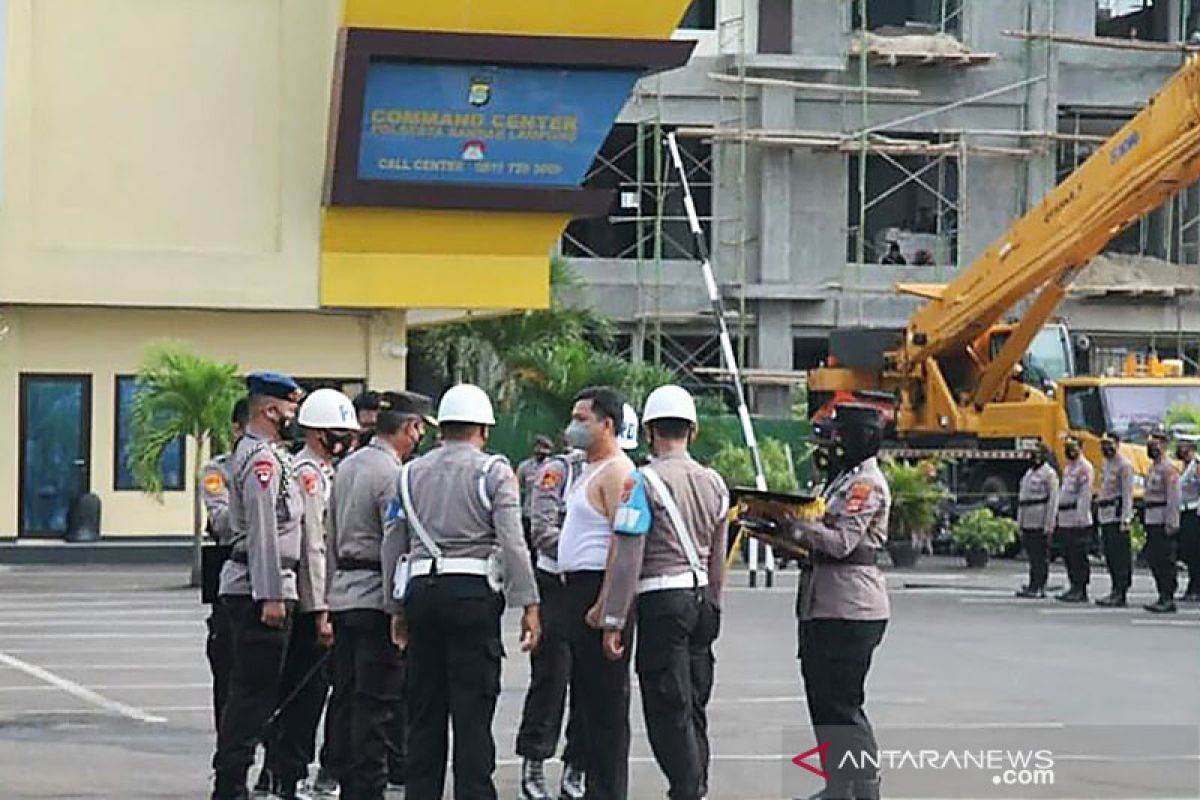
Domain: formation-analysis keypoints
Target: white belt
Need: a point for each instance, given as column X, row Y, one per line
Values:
column 684, row 580
column 547, row 564
column 1192, row 506
column 451, row 566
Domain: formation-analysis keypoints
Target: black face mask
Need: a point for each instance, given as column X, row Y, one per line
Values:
column 1108, row 451
column 336, row 444
column 1072, row 453
column 1039, row 460
column 365, row 436
column 287, row 429
column 858, row 444
column 1154, row 450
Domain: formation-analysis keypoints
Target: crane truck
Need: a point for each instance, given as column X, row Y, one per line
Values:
column 966, row 380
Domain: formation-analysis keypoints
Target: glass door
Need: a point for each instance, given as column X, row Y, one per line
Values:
column 55, row 455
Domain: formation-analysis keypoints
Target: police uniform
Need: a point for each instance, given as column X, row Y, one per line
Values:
column 1037, row 507
column 528, row 473
column 1189, row 525
column 675, row 572
column 1075, row 522
column 550, row 663
column 1114, row 512
column 465, row 503
column 214, row 494
column 265, row 509
column 368, row 669
column 1162, row 505
column 292, row 744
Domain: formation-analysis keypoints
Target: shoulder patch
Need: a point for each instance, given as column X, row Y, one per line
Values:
column 857, row 497
column 310, row 480
column 214, row 482
column 627, row 489
column 550, row 480
column 263, row 470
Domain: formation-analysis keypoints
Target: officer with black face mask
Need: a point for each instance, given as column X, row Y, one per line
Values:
column 1037, row 509
column 1114, row 512
column 1162, row 503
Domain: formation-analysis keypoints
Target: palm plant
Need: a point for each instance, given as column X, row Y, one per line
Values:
column 915, row 500
column 179, row 394
column 1184, row 415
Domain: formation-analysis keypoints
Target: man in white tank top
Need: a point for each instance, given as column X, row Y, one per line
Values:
column 583, row 551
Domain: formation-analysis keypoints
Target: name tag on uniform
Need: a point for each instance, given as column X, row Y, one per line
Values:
column 401, row 577
column 633, row 516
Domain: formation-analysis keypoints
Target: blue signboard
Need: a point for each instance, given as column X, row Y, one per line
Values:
column 470, row 124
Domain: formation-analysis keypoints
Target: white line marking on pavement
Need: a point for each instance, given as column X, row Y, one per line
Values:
column 62, row 636
column 93, row 624
column 107, row 651
column 172, row 665
column 974, row 726
column 77, row 691
column 1170, row 623
column 115, row 687
column 898, row 701
column 83, row 617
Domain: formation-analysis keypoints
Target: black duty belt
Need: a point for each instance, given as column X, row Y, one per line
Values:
column 1029, row 503
column 1106, row 503
column 241, row 558
column 358, row 565
column 1155, row 505
column 858, row 557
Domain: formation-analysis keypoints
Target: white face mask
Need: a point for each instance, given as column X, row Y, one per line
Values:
column 579, row 435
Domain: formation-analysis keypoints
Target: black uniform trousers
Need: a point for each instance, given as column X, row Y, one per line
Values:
column 259, row 653
column 333, row 750
column 1036, row 544
column 835, row 656
column 1075, row 552
column 1117, row 556
column 291, row 744
column 1189, row 548
column 550, row 674
column 674, row 662
column 603, row 689
column 1160, row 555
column 397, row 732
column 219, row 649
column 454, row 653
column 367, row 677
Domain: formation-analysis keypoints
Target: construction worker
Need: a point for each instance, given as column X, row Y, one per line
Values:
column 214, row 493
column 1114, row 512
column 1189, row 520
column 1162, row 505
column 1037, row 511
column 258, row 582
column 454, row 543
column 583, row 547
column 527, row 475
column 669, row 555
column 1075, row 521
column 328, row 422
column 843, row 606
column 368, row 670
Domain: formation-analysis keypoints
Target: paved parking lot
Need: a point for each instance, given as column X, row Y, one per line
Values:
column 104, row 687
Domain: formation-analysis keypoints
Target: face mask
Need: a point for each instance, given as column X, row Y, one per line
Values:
column 337, row 444
column 285, row 426
column 365, row 436
column 414, row 443
column 1072, row 453
column 1181, row 454
column 539, row 456
column 1154, row 450
column 579, row 435
column 1038, row 461
column 1108, row 451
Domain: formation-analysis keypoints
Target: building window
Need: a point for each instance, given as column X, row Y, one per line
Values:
column 1139, row 19
column 701, row 15
column 172, row 465
column 910, row 17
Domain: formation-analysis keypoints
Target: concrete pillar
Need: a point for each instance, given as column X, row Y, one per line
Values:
column 387, row 350
column 773, row 348
column 1042, row 105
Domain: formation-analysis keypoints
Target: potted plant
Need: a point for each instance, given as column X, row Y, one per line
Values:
column 980, row 533
column 915, row 500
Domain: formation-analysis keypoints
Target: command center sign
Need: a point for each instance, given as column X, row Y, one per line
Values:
column 491, row 125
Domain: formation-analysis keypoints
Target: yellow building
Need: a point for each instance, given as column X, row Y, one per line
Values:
column 163, row 175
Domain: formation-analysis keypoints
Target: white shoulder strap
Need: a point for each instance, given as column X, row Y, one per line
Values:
column 482, row 485
column 410, row 515
column 681, row 528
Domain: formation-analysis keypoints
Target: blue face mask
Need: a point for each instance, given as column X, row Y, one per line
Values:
column 578, row 435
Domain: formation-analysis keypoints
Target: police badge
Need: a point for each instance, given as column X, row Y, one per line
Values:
column 481, row 90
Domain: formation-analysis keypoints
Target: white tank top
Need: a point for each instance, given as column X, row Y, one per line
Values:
column 583, row 541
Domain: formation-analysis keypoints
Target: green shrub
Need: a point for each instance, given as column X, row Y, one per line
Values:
column 736, row 465
column 982, row 530
column 915, row 500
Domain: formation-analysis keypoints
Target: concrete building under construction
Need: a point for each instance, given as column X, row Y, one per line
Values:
column 836, row 147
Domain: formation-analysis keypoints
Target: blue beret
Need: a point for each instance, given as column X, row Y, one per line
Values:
column 274, row 384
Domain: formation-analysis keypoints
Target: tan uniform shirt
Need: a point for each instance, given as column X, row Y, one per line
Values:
column 265, row 513
column 315, row 477
column 1189, row 486
column 445, row 488
column 363, row 491
column 1115, row 501
column 1163, row 497
column 527, row 476
column 214, row 493
column 1075, row 496
column 1037, row 500
column 858, row 503
column 547, row 504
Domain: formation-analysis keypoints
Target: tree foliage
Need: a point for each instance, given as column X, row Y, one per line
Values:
column 915, row 499
column 736, row 465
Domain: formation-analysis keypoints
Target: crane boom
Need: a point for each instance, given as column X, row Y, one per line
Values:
column 1156, row 154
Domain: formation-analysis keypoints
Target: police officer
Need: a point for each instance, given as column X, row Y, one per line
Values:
column 527, row 476
column 328, row 421
column 455, row 542
column 368, row 669
column 843, row 604
column 1075, row 521
column 669, row 554
column 366, row 407
column 1161, row 504
column 1114, row 512
column 258, row 582
column 550, row 663
column 214, row 493
column 1037, row 509
column 1189, row 520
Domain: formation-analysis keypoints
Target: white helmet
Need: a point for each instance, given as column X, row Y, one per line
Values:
column 466, row 403
column 627, row 434
column 669, row 402
column 328, row 409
